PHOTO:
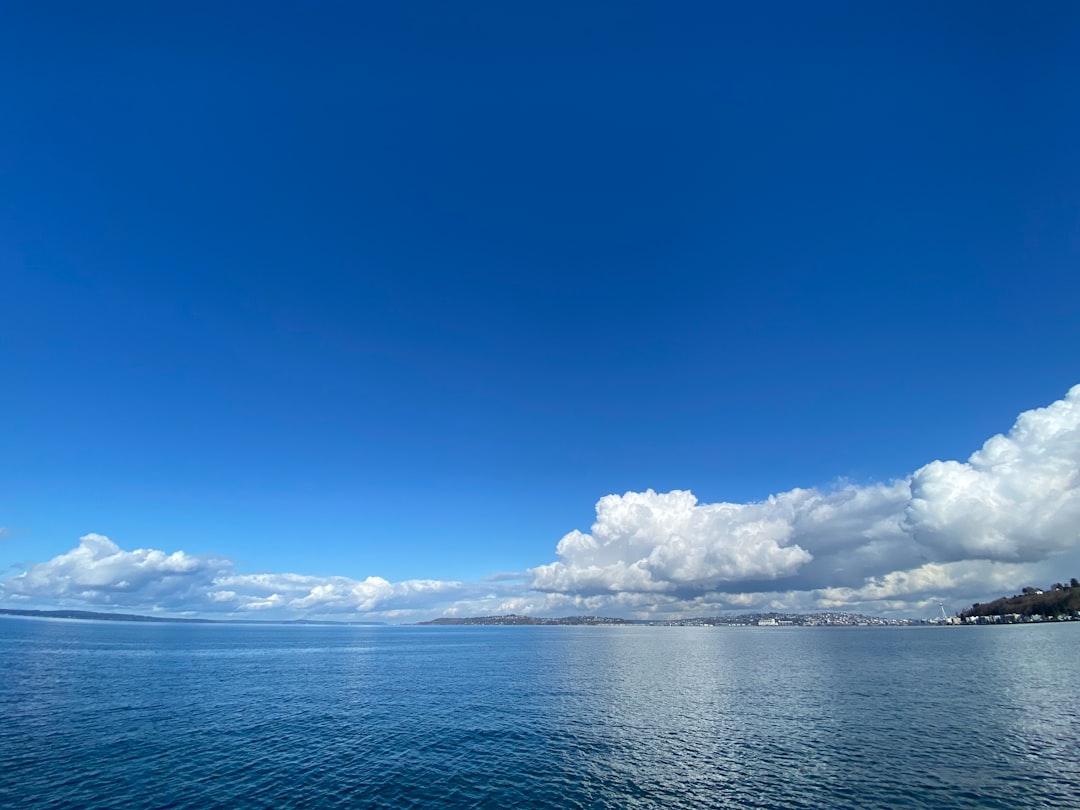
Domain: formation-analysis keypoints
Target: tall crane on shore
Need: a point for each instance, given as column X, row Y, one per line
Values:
column 944, row 615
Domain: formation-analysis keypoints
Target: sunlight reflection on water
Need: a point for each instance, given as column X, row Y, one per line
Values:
column 118, row 715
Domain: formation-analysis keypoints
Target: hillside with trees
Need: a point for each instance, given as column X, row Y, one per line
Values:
column 1058, row 601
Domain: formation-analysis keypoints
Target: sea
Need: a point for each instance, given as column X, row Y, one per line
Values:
column 130, row 715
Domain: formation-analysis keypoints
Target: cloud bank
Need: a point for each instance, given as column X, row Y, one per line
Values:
column 99, row 573
column 949, row 526
column 1009, row 515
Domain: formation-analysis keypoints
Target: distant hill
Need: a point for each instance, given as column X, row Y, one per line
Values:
column 98, row 617
column 1058, row 600
column 514, row 619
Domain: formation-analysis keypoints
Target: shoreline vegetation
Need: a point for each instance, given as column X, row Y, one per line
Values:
column 1059, row 602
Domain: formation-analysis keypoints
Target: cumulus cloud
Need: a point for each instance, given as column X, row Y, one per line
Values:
column 1016, row 499
column 946, row 527
column 927, row 582
column 957, row 530
column 98, row 573
column 645, row 541
column 670, row 543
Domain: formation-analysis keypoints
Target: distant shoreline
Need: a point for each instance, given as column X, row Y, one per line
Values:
column 135, row 618
column 741, row 620
column 514, row 620
column 753, row 619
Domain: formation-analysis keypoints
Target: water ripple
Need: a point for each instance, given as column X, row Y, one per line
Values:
column 115, row 716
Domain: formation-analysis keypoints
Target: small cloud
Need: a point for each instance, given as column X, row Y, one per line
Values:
column 506, row 576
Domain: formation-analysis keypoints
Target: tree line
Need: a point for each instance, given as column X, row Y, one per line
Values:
column 1057, row 600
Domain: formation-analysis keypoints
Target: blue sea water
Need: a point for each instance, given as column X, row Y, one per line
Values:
column 111, row 715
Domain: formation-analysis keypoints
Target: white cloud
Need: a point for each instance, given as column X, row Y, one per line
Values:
column 97, row 571
column 927, row 583
column 645, row 541
column 99, row 574
column 1017, row 500
column 962, row 531
column 669, row 543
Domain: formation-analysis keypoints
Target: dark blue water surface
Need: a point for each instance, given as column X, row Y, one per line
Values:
column 110, row 715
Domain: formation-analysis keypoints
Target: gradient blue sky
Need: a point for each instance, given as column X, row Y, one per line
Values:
column 403, row 289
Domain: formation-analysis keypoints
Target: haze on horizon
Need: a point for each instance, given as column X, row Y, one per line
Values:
column 398, row 312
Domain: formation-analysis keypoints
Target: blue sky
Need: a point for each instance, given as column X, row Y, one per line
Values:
column 403, row 290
